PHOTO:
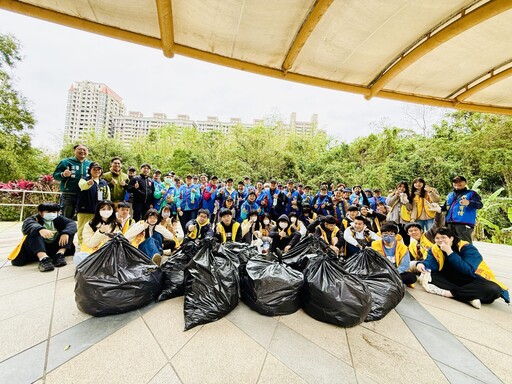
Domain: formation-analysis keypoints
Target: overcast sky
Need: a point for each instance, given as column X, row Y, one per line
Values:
column 55, row 56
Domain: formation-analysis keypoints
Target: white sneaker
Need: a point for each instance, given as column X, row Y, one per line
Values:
column 476, row 303
column 167, row 252
column 431, row 288
column 424, row 279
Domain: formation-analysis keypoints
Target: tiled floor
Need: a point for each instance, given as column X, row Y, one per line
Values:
column 427, row 339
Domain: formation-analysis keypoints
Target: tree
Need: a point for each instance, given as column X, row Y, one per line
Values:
column 18, row 158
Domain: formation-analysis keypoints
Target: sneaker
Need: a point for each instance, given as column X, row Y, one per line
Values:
column 45, row 264
column 476, row 303
column 431, row 288
column 157, row 259
column 425, row 278
column 59, row 260
column 167, row 252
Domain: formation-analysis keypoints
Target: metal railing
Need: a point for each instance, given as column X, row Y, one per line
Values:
column 24, row 192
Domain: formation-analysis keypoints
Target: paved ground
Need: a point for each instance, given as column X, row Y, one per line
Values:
column 427, row 339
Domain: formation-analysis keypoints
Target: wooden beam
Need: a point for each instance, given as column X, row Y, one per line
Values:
column 78, row 23
column 493, row 79
column 311, row 21
column 153, row 42
column 165, row 22
column 464, row 23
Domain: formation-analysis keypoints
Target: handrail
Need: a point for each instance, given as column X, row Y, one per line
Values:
column 24, row 192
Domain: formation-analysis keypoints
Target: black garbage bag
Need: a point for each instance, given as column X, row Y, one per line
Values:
column 308, row 247
column 117, row 278
column 174, row 271
column 239, row 253
column 332, row 295
column 212, row 286
column 271, row 287
column 382, row 279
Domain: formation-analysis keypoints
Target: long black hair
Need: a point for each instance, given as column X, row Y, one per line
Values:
column 448, row 232
column 406, row 186
column 414, row 189
column 97, row 219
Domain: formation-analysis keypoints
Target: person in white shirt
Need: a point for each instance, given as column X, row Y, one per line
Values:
column 357, row 236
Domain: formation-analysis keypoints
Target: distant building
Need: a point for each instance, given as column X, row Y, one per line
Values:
column 95, row 107
column 91, row 107
column 135, row 125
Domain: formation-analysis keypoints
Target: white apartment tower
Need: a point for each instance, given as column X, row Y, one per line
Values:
column 91, row 107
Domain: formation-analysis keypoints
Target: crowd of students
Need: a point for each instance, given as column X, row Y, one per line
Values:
column 406, row 226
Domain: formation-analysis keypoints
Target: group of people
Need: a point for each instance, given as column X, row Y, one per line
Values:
column 407, row 226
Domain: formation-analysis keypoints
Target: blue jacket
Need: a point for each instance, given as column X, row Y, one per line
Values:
column 246, row 208
column 189, row 200
column 460, row 214
column 209, row 196
column 88, row 199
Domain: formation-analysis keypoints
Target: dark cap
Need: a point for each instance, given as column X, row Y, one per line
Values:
column 145, row 165
column 323, row 187
column 251, row 193
column 188, row 177
column 229, row 198
column 347, row 190
column 376, row 190
column 458, row 178
column 132, row 169
column 157, row 171
column 230, row 180
column 95, row 165
column 241, row 183
column 367, row 190
column 168, row 174
column 273, row 181
column 300, row 185
column 215, row 178
column 247, row 178
column 290, row 181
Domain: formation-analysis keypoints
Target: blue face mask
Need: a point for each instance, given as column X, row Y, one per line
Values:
column 50, row 216
column 389, row 238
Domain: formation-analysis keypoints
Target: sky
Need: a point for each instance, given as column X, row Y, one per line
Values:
column 55, row 56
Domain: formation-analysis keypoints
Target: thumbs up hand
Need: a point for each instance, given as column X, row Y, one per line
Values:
column 67, row 172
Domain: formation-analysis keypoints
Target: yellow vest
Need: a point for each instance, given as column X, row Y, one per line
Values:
column 482, row 270
column 324, row 235
column 126, row 225
column 400, row 250
column 16, row 251
column 234, row 229
column 193, row 235
column 425, row 245
column 420, row 204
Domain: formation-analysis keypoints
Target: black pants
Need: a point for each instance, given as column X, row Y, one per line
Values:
column 462, row 231
column 139, row 209
column 68, row 204
column 186, row 217
column 33, row 245
column 466, row 288
column 408, row 278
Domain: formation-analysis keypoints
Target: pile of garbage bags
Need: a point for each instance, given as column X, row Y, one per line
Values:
column 214, row 277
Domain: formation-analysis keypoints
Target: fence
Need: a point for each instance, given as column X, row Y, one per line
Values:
column 26, row 199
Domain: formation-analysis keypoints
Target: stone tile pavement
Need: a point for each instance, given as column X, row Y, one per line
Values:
column 427, row 339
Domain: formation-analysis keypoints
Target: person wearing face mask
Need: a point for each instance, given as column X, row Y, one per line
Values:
column 170, row 223
column 117, row 180
column 284, row 236
column 297, row 224
column 395, row 251
column 227, row 229
column 251, row 227
column 92, row 190
column 103, row 222
column 455, row 269
column 165, row 193
column 150, row 237
column 47, row 238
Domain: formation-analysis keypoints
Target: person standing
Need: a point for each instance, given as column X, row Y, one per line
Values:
column 117, row 180
column 461, row 206
column 143, row 188
column 190, row 199
column 69, row 172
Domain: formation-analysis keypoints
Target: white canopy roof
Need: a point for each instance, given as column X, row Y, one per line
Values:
column 448, row 53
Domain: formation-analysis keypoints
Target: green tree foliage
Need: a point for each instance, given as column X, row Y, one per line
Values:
column 17, row 156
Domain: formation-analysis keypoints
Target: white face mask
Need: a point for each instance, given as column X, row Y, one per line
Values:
column 50, row 216
column 266, row 222
column 293, row 219
column 283, row 225
column 165, row 215
column 267, row 188
column 106, row 214
column 254, row 218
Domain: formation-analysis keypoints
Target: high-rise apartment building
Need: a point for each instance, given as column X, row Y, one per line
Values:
column 91, row 107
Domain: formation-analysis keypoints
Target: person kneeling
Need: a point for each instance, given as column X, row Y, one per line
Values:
column 329, row 232
column 284, row 236
column 148, row 236
column 454, row 268
column 395, row 251
column 228, row 229
column 47, row 238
